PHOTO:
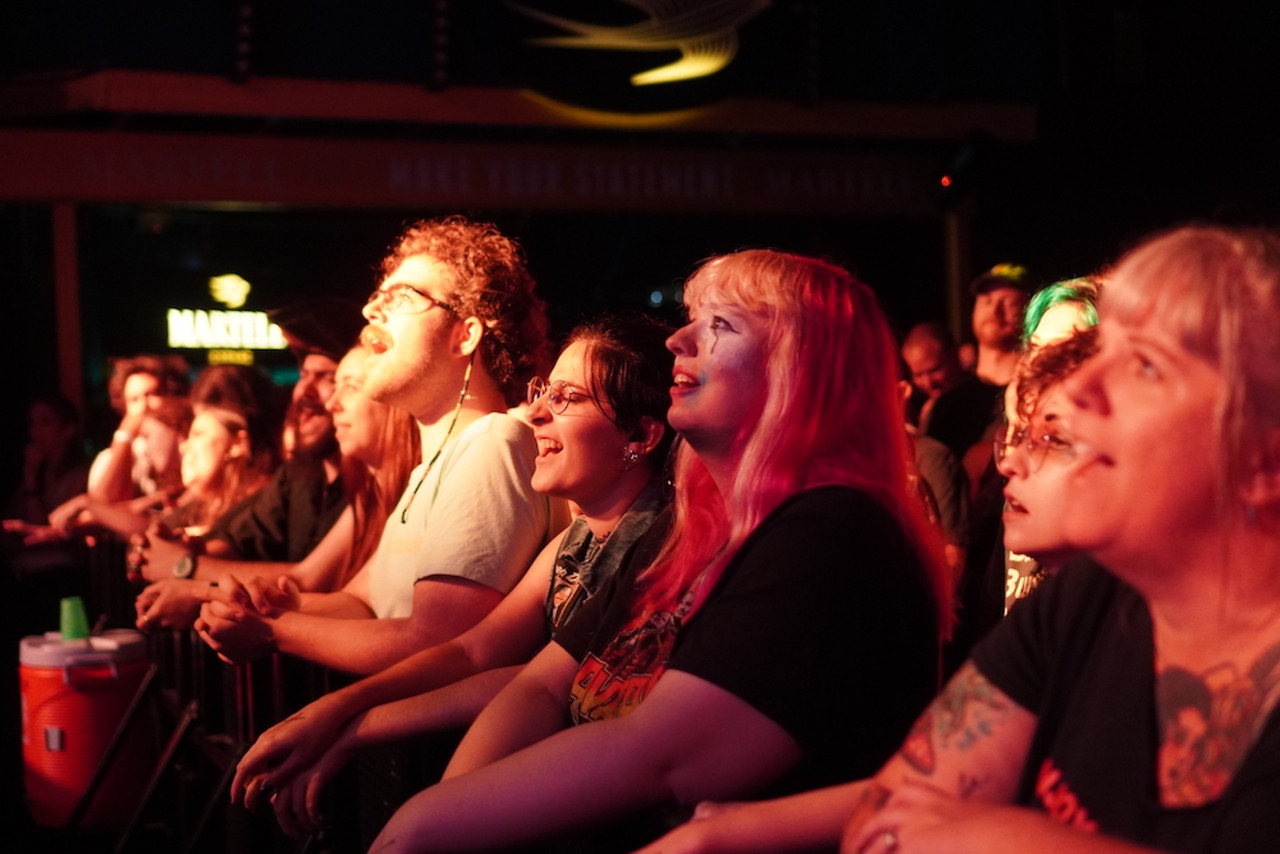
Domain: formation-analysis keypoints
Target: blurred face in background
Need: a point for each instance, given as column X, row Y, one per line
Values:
column 312, row 424
column 209, row 445
column 139, row 390
column 1038, row 462
column 933, row 371
column 997, row 317
column 47, row 432
column 358, row 419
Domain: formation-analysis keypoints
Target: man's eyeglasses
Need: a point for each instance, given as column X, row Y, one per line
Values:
column 558, row 394
column 1036, row 445
column 405, row 299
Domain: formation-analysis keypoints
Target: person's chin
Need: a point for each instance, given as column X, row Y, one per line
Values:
column 317, row 446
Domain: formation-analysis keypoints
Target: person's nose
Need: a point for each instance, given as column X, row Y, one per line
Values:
column 680, row 342
column 539, row 411
column 305, row 387
column 373, row 308
column 1014, row 462
column 1085, row 387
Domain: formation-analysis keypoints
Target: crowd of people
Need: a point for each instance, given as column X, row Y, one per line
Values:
column 774, row 579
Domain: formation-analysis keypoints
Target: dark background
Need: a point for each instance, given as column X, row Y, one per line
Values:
column 1148, row 114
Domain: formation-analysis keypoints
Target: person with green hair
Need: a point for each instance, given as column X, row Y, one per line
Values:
column 1057, row 309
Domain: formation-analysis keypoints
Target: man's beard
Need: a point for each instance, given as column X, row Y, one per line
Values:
column 321, row 447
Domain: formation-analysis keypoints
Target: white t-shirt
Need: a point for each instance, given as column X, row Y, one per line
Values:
column 475, row 516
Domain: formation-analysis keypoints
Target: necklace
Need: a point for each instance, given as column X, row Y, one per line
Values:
column 462, row 395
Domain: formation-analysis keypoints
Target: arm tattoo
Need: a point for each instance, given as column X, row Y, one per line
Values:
column 967, row 711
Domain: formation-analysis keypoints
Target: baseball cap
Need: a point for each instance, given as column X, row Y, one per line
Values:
column 328, row 326
column 1003, row 275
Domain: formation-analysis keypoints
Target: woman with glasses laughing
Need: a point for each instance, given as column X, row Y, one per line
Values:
column 790, row 626
column 600, row 425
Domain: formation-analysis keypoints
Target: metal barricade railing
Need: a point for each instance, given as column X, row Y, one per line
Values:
column 210, row 712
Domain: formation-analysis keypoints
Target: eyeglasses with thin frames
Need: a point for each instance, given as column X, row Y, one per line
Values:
column 1037, row 445
column 559, row 394
column 405, row 299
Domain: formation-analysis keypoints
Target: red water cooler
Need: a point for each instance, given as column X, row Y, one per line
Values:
column 74, row 695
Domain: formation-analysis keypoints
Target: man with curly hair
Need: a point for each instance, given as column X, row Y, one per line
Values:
column 454, row 333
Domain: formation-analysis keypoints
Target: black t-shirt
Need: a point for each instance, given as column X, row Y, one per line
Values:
column 285, row 519
column 823, row 622
column 1079, row 655
column 961, row 415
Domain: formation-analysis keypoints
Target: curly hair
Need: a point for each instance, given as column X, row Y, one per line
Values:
column 1047, row 366
column 492, row 283
column 171, row 372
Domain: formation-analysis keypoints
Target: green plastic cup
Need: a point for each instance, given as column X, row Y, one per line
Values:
column 74, row 624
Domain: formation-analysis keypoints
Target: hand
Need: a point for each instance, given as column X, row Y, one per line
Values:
column 919, row 818
column 173, row 603
column 696, row 835
column 286, row 748
column 66, row 515
column 232, row 629
column 297, row 803
column 272, row 598
column 33, row 535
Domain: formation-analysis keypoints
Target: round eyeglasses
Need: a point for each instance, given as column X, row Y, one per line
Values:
column 559, row 394
column 1036, row 446
column 405, row 299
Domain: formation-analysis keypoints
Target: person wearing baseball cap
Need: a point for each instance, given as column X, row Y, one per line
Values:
column 999, row 299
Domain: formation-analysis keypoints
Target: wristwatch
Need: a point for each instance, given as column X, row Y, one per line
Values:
column 185, row 567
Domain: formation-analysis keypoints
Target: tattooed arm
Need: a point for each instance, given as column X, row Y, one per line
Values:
column 970, row 743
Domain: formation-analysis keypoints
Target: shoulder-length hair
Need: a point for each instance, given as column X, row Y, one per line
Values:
column 242, row 399
column 630, row 370
column 1217, row 290
column 831, row 416
column 373, row 492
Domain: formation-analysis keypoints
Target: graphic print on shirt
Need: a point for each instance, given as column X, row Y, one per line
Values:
column 569, row 589
column 613, row 683
column 1059, row 801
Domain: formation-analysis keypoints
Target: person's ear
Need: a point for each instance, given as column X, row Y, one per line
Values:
column 239, row 445
column 647, row 434
column 472, row 332
column 1261, row 490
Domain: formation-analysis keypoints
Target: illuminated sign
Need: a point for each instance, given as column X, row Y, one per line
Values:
column 230, row 290
column 223, row 330
column 227, row 335
column 704, row 31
